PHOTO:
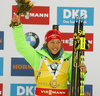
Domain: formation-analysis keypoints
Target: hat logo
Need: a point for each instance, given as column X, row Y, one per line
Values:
column 53, row 36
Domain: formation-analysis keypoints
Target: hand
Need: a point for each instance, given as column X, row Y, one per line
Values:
column 83, row 67
column 16, row 19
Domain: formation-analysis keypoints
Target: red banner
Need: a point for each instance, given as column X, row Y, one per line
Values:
column 51, row 92
column 37, row 15
column 1, row 89
column 67, row 41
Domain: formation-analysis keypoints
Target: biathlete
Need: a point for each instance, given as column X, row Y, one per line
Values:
column 52, row 66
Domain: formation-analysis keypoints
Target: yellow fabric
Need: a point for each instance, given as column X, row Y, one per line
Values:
column 44, row 78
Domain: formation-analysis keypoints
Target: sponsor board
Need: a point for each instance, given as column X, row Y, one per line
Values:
column 20, row 67
column 1, row 89
column 1, row 40
column 67, row 41
column 37, row 15
column 66, row 15
column 32, row 39
column 29, row 90
column 22, row 89
column 1, row 66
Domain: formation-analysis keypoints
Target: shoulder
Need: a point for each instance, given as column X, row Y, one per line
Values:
column 44, row 53
column 67, row 55
column 41, row 51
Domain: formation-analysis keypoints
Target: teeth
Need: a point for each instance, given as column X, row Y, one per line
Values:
column 55, row 49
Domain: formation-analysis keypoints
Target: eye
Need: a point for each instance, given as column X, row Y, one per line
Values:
column 58, row 42
column 52, row 42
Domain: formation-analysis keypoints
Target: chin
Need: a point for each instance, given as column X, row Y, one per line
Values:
column 54, row 53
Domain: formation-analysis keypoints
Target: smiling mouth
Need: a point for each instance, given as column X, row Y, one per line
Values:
column 55, row 49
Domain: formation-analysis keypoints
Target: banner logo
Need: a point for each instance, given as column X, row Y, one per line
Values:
column 32, row 39
column 23, row 89
column 67, row 41
column 29, row 90
column 88, row 89
column 20, row 67
column 1, row 66
column 1, row 40
column 66, row 15
column 37, row 15
column 1, row 89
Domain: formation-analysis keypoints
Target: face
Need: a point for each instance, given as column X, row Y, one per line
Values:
column 54, row 46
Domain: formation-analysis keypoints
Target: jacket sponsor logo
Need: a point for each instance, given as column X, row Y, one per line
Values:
column 1, row 89
column 1, row 40
column 66, row 15
column 23, row 89
column 32, row 39
column 67, row 41
column 38, row 15
column 50, row 92
column 1, row 66
column 20, row 67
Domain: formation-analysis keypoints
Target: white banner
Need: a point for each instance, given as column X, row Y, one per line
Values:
column 52, row 12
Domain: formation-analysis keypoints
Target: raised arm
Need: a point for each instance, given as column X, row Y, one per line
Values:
column 29, row 53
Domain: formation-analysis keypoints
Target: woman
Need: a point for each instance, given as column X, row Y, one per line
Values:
column 52, row 66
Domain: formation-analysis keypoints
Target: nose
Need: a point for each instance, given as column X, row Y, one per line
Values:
column 56, row 44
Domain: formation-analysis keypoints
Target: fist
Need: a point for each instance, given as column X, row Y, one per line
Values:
column 16, row 19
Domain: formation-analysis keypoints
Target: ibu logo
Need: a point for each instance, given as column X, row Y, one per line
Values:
column 23, row 89
column 66, row 15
